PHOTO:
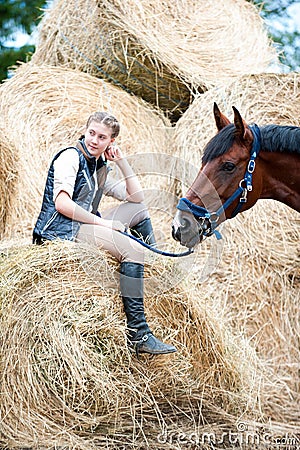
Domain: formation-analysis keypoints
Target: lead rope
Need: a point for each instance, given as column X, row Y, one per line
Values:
column 156, row 250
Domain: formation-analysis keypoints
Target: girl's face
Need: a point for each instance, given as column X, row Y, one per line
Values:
column 97, row 138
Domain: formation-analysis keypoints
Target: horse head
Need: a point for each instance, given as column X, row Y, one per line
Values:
column 223, row 185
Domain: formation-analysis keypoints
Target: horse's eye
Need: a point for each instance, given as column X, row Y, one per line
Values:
column 228, row 166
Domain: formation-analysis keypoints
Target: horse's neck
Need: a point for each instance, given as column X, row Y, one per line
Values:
column 281, row 177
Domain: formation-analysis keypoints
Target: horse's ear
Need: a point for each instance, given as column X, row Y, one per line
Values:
column 239, row 123
column 221, row 120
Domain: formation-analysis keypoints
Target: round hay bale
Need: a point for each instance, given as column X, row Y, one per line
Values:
column 67, row 378
column 258, row 280
column 158, row 51
column 263, row 99
column 46, row 108
column 8, row 175
column 257, row 274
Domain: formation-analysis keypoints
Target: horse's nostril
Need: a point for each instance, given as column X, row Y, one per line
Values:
column 176, row 233
column 185, row 223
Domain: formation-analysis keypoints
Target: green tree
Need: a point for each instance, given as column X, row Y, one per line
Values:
column 278, row 15
column 17, row 15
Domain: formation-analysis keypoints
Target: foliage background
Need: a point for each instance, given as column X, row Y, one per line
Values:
column 282, row 19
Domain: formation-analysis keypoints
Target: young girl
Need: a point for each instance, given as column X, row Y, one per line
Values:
column 77, row 178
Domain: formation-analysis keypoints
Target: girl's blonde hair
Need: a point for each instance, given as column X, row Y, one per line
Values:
column 107, row 119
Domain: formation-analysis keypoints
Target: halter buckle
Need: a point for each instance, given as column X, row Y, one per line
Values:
column 243, row 198
column 214, row 217
column 251, row 166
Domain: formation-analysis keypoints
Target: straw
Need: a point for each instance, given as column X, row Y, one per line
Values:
column 257, row 273
column 264, row 99
column 67, row 378
column 160, row 52
column 8, row 175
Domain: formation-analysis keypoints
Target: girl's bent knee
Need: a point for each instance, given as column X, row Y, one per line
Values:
column 134, row 252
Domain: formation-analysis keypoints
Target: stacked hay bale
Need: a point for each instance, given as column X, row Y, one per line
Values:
column 264, row 99
column 259, row 280
column 258, row 273
column 158, row 51
column 66, row 376
column 8, row 175
column 67, row 379
column 46, row 108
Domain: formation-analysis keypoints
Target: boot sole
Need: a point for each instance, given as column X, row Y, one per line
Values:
column 132, row 350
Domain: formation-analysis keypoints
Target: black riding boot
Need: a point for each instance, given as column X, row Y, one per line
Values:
column 139, row 336
column 144, row 231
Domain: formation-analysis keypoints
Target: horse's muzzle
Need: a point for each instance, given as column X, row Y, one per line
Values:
column 186, row 230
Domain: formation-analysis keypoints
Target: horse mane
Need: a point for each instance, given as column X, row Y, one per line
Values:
column 274, row 138
column 219, row 144
column 283, row 139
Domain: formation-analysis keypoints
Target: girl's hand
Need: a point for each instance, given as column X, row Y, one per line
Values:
column 113, row 153
column 118, row 226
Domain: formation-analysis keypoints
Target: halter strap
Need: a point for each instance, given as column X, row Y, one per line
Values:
column 199, row 212
column 256, row 145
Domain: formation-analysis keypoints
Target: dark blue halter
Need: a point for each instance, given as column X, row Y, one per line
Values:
column 199, row 212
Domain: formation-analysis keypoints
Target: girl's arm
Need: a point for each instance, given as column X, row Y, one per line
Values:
column 66, row 206
column 133, row 187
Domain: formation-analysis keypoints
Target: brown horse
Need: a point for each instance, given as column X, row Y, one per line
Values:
column 240, row 165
